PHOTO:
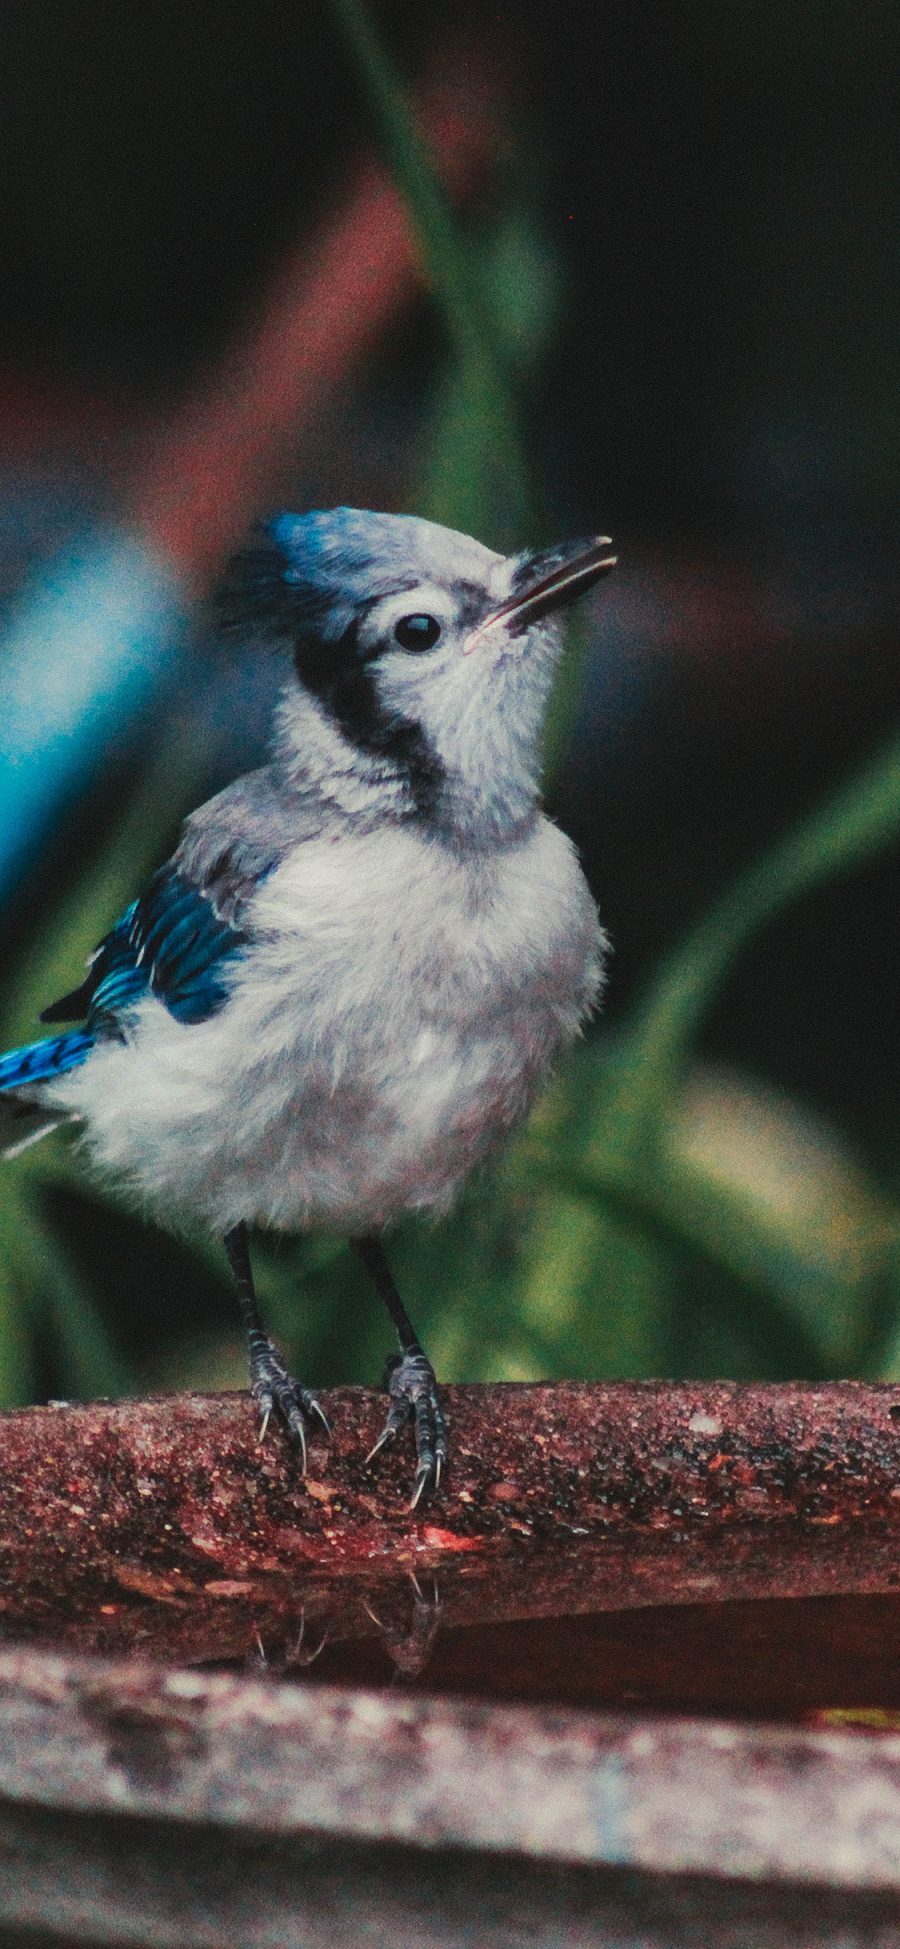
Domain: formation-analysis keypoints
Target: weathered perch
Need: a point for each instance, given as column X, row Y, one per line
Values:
column 585, row 1530
column 164, row 1526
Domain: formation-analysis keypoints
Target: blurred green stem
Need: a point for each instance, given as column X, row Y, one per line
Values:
column 40, row 1284
column 444, row 256
column 446, row 260
column 853, row 823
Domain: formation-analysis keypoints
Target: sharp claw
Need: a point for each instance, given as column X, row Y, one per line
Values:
column 386, row 1436
column 309, row 1657
column 314, row 1408
column 432, row 1602
column 298, row 1431
column 298, row 1656
column 276, row 1392
column 424, row 1480
column 413, row 1391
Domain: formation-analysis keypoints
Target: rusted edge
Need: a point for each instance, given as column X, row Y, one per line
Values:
column 148, row 1521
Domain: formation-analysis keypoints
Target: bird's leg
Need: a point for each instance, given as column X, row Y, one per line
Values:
column 271, row 1385
column 409, row 1645
column 410, row 1381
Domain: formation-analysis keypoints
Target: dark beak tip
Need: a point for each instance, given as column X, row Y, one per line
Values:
column 556, row 577
column 585, row 558
column 594, row 552
column 571, row 570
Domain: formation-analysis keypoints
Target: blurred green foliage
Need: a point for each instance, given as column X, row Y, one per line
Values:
column 655, row 1216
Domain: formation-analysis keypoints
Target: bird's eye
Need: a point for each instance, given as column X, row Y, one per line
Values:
column 417, row 632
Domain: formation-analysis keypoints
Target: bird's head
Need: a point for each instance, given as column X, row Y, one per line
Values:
column 422, row 661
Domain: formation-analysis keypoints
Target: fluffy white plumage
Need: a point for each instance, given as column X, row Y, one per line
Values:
column 362, row 961
column 397, row 1012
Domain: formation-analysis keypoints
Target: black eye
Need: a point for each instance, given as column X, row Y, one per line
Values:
column 417, row 632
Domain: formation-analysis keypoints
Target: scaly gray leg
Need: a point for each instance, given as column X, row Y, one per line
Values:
column 271, row 1385
column 410, row 1381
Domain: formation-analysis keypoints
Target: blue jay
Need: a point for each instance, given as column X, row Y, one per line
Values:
column 362, row 960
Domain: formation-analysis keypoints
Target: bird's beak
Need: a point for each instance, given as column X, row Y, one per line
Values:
column 545, row 581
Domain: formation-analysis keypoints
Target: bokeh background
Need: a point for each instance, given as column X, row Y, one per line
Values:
column 533, row 272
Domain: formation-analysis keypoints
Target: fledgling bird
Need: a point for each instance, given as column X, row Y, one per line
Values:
column 349, row 981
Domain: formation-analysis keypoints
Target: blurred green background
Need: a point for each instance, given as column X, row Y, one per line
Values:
column 657, row 298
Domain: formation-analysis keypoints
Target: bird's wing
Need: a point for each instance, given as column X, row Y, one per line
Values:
column 170, row 943
column 180, row 940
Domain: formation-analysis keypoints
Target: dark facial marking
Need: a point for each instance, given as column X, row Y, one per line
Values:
column 341, row 676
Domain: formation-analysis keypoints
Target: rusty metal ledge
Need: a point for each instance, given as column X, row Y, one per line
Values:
column 162, row 1525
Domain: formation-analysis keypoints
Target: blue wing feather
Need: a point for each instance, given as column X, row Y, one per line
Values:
column 170, row 943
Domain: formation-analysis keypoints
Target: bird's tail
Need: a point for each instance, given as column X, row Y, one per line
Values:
column 24, row 1119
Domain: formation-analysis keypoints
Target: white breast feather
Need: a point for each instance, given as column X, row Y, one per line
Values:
column 398, row 1010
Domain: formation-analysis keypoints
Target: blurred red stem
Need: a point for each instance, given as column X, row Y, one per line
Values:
column 328, row 306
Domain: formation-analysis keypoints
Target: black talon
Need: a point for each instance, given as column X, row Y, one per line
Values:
column 314, row 1406
column 408, row 1639
column 300, row 1658
column 293, row 1656
column 397, row 1419
column 273, row 1388
column 411, row 1384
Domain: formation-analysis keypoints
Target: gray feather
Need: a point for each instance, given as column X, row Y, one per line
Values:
column 237, row 838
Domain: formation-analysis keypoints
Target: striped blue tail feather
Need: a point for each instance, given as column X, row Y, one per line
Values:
column 40, row 1062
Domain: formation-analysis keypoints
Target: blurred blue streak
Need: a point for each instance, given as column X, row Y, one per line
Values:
column 85, row 651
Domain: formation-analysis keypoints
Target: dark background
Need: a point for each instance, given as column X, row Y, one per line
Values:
column 713, row 190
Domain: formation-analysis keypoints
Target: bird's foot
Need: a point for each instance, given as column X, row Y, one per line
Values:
column 275, row 1391
column 292, row 1656
column 412, row 1385
column 409, row 1640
